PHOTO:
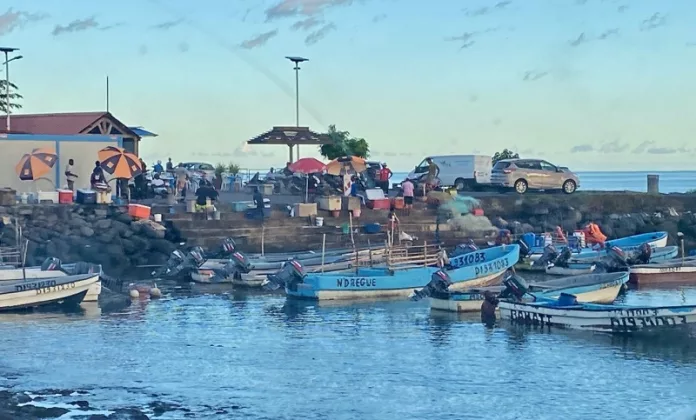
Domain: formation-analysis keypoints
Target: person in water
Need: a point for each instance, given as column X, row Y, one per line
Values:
column 490, row 302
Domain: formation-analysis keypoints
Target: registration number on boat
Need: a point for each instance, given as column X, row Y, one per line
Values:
column 646, row 321
column 35, row 285
column 530, row 318
column 356, row 282
column 670, row 270
column 467, row 259
column 58, row 288
column 492, row 266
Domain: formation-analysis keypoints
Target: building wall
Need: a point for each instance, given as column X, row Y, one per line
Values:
column 82, row 148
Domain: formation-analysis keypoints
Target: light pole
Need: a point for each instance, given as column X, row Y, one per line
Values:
column 297, row 61
column 7, row 51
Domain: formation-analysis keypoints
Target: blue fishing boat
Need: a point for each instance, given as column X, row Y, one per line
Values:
column 629, row 243
column 474, row 269
column 587, row 263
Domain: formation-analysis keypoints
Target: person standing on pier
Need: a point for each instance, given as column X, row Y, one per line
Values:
column 258, row 200
column 384, row 175
column 70, row 175
column 407, row 187
column 433, row 172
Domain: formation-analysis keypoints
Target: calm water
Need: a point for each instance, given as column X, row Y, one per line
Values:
column 362, row 361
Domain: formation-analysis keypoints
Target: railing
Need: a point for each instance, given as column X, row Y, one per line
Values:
column 408, row 257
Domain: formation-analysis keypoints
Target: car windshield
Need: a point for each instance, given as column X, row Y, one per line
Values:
column 499, row 166
column 422, row 167
column 206, row 167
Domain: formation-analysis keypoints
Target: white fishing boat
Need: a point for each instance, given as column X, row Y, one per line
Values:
column 62, row 290
column 53, row 268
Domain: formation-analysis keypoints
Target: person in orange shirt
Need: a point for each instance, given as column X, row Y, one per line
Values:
column 383, row 176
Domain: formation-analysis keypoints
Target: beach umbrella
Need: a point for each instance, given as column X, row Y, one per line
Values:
column 119, row 163
column 36, row 164
column 345, row 165
column 307, row 166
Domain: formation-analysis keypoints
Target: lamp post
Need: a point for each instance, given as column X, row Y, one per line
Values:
column 297, row 61
column 7, row 51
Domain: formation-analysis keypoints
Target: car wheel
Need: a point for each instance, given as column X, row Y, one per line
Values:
column 521, row 186
column 569, row 186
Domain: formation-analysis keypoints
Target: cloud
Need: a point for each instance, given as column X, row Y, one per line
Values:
column 661, row 151
column 582, row 148
column 294, row 8
column 608, row 33
column 167, row 24
column 622, row 8
column 654, row 21
column 77, row 25
column 581, row 39
column 533, row 75
column 467, row 38
column 320, row 34
column 613, row 146
column 486, row 10
column 643, row 146
column 379, row 18
column 11, row 20
column 109, row 27
column 259, row 40
column 183, row 47
column 502, row 4
column 306, row 24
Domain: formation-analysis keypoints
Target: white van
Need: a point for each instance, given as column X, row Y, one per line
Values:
column 460, row 171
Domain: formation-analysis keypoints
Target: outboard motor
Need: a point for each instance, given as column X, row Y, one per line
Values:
column 289, row 276
column 227, row 247
column 550, row 254
column 51, row 264
column 524, row 249
column 515, row 286
column 563, row 258
column 238, row 263
column 175, row 265
column 438, row 287
column 197, row 256
column 613, row 262
column 466, row 248
column 641, row 255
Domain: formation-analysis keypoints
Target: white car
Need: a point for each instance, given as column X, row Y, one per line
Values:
column 464, row 172
column 202, row 168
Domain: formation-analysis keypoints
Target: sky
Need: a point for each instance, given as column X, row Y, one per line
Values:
column 588, row 84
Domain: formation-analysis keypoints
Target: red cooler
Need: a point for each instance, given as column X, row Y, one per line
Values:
column 65, row 196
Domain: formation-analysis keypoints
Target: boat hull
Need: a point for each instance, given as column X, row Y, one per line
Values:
column 645, row 275
column 600, row 318
column 571, row 270
column 15, row 274
column 68, row 290
column 479, row 269
column 629, row 243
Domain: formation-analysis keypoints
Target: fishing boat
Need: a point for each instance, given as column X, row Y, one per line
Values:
column 629, row 243
column 586, row 264
column 63, row 290
column 592, row 288
column 52, row 267
column 475, row 269
column 679, row 271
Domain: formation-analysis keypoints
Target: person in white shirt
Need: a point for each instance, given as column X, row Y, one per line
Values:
column 70, row 175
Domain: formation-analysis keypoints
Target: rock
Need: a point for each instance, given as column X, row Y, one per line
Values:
column 86, row 231
column 128, row 414
column 102, row 224
column 80, row 403
column 500, row 223
column 101, row 213
column 161, row 407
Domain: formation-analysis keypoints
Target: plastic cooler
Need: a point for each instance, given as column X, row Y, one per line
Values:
column 139, row 211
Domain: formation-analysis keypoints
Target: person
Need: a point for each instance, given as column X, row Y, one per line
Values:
column 431, row 177
column 170, row 165
column 407, row 186
column 97, row 180
column 70, row 174
column 488, row 308
column 384, row 175
column 158, row 167
column 204, row 193
column 159, row 186
column 270, row 176
column 181, row 180
column 258, row 200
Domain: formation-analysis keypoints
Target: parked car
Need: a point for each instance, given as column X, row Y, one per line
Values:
column 536, row 174
column 204, row 168
column 460, row 171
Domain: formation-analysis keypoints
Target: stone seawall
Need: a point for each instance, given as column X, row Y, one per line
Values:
column 97, row 234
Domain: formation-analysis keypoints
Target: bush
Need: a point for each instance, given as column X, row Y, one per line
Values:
column 219, row 169
column 233, row 168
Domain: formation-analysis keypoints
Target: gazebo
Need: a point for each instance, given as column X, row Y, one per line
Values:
column 291, row 136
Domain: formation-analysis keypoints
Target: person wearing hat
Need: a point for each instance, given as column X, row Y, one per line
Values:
column 383, row 177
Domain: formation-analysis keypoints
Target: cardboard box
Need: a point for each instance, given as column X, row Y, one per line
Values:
column 332, row 203
column 48, row 197
column 305, row 209
column 267, row 189
column 351, row 203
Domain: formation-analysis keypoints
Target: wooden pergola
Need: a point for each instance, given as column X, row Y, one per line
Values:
column 291, row 136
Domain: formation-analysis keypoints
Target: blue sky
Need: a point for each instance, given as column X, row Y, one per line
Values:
column 593, row 84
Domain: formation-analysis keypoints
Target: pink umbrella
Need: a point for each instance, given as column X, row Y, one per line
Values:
column 307, row 166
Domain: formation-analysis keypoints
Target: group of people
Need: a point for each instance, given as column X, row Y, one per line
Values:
column 97, row 179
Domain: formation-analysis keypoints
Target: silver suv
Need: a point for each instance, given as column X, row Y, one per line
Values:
column 537, row 174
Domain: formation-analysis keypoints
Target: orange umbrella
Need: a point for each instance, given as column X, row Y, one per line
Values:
column 119, row 163
column 346, row 164
column 36, row 164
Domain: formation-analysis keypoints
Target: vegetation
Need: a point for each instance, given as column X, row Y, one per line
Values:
column 505, row 154
column 233, row 168
column 219, row 169
column 344, row 145
column 14, row 97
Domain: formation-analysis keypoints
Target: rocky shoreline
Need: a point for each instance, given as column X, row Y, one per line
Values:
column 97, row 234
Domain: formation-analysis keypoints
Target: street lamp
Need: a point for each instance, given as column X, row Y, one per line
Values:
column 297, row 61
column 7, row 51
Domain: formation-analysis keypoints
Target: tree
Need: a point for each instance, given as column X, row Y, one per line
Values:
column 344, row 145
column 505, row 154
column 14, row 97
